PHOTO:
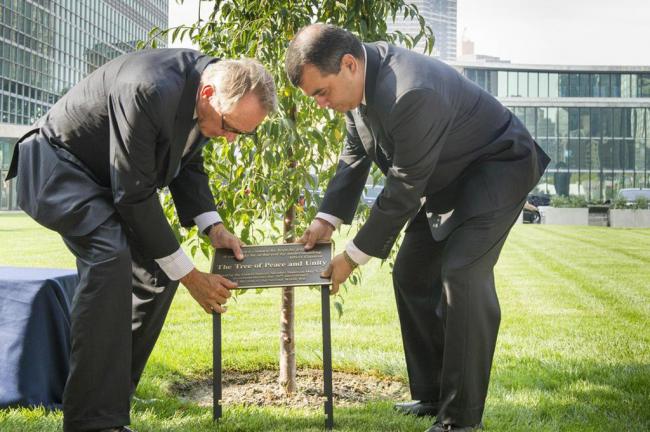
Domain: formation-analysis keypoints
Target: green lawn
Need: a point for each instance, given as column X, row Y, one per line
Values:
column 573, row 352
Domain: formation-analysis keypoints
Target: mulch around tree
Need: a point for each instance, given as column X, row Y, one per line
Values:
column 261, row 388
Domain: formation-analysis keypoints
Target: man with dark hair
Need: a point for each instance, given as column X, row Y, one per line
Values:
column 444, row 145
column 91, row 171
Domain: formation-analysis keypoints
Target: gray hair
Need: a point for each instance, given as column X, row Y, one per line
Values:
column 320, row 45
column 233, row 79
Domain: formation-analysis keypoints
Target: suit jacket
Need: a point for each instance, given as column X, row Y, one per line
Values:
column 125, row 126
column 435, row 135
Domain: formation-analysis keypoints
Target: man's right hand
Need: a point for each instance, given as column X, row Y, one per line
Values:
column 211, row 291
column 319, row 230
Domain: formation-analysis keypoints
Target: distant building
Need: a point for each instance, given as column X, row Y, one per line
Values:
column 467, row 53
column 441, row 16
column 47, row 46
column 593, row 121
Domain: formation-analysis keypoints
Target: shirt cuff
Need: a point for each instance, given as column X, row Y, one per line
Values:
column 206, row 219
column 356, row 254
column 336, row 222
column 176, row 265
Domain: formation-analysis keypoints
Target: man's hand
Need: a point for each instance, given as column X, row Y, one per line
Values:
column 220, row 237
column 339, row 270
column 211, row 291
column 319, row 230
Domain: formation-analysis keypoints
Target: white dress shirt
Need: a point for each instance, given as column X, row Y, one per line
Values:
column 179, row 264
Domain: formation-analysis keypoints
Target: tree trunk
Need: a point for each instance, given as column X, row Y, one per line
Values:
column 287, row 342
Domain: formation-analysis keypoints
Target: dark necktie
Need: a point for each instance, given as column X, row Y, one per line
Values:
column 368, row 139
column 191, row 141
column 192, row 137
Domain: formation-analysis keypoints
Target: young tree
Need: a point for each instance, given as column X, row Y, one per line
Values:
column 261, row 181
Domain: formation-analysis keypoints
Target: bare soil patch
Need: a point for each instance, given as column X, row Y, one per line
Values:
column 261, row 388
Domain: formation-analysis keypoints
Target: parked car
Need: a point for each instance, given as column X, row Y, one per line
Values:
column 630, row 195
column 539, row 200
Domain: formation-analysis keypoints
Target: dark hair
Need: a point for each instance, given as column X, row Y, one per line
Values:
column 321, row 45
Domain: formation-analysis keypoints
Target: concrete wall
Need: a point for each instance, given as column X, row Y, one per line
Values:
column 564, row 216
column 621, row 218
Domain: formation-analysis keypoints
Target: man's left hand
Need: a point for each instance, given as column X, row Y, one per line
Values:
column 220, row 237
column 339, row 270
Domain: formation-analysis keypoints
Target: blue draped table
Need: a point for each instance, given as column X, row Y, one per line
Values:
column 34, row 334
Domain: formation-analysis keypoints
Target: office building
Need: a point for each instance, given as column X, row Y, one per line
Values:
column 47, row 46
column 441, row 16
column 593, row 121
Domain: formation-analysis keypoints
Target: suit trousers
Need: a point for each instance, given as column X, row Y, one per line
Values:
column 449, row 311
column 122, row 298
column 117, row 314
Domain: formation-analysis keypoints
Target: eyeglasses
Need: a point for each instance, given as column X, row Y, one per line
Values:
column 226, row 127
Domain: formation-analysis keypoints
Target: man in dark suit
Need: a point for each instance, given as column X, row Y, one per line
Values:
column 443, row 144
column 91, row 170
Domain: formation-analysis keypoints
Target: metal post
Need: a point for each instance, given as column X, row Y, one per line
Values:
column 216, row 364
column 327, row 358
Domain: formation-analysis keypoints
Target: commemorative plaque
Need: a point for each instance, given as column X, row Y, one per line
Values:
column 275, row 266
column 271, row 266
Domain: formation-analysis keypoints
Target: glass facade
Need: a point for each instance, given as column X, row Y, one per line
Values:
column 598, row 149
column 532, row 84
column 7, row 189
column 47, row 46
column 597, row 146
column 441, row 16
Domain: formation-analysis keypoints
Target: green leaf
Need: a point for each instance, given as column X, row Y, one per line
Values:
column 339, row 308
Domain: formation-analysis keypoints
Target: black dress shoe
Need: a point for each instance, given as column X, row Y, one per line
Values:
column 439, row 427
column 417, row 408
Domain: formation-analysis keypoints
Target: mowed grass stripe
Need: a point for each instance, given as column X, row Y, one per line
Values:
column 610, row 272
column 569, row 314
column 566, row 359
column 610, row 266
column 633, row 249
column 542, row 291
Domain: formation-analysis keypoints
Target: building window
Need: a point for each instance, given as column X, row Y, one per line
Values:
column 503, row 84
column 615, row 83
column 523, row 84
column 533, row 85
column 512, row 84
column 493, row 82
column 564, row 85
column 574, row 85
column 543, row 84
column 626, row 86
column 603, row 85
column 644, row 85
column 553, row 85
column 584, row 84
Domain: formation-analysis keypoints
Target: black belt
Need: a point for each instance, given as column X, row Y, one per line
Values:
column 13, row 167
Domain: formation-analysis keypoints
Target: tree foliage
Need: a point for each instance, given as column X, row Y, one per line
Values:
column 260, row 180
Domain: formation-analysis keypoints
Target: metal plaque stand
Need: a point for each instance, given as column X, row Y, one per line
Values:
column 327, row 362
